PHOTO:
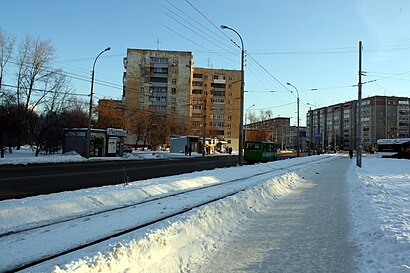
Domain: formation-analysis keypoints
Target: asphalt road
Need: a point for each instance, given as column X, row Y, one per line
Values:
column 24, row 181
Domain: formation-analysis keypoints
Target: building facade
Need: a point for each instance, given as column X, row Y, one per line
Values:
column 158, row 81
column 279, row 130
column 166, row 83
column 215, row 100
column 334, row 127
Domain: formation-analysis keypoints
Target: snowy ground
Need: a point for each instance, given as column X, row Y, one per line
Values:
column 26, row 156
column 378, row 201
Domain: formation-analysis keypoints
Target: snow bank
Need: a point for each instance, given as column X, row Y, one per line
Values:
column 180, row 244
column 34, row 211
column 380, row 206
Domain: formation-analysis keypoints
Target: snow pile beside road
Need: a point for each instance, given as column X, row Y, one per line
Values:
column 184, row 242
column 39, row 210
column 380, row 204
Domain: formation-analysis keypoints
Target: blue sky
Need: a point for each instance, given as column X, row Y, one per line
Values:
column 311, row 44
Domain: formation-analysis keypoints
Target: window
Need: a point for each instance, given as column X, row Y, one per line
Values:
column 143, row 79
column 142, row 90
column 173, row 91
column 141, row 99
column 196, row 124
column 159, row 60
column 197, row 92
column 215, row 77
column 229, row 101
column 229, row 117
column 173, row 109
column 229, row 133
column 174, row 81
column 174, row 71
column 206, row 77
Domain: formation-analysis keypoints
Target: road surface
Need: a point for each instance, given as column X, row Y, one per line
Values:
column 24, row 181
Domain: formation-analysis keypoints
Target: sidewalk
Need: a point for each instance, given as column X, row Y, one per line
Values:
column 306, row 231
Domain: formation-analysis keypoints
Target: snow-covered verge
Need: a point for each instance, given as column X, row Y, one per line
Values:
column 380, row 207
column 17, row 214
column 25, row 156
column 178, row 245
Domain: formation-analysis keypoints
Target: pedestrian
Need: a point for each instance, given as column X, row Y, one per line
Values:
column 190, row 149
column 350, row 153
column 230, row 150
column 186, row 149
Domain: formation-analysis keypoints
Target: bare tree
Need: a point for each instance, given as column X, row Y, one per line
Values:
column 55, row 97
column 37, row 70
column 265, row 114
column 252, row 117
column 7, row 42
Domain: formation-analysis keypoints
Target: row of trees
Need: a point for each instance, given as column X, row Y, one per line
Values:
column 37, row 101
column 147, row 127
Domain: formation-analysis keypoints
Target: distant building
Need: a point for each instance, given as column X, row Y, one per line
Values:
column 276, row 129
column 334, row 127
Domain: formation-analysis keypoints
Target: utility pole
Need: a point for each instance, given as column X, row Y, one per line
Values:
column 204, row 126
column 311, row 137
column 359, row 112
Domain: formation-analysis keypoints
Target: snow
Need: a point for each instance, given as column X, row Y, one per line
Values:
column 380, row 208
column 378, row 198
column 26, row 156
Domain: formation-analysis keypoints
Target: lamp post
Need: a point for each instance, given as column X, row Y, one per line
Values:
column 87, row 146
column 246, row 114
column 240, row 157
column 298, row 136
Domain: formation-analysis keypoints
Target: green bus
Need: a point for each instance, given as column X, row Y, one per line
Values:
column 260, row 151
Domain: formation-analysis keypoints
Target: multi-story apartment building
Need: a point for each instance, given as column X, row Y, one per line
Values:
column 158, row 81
column 334, row 127
column 215, row 100
column 165, row 82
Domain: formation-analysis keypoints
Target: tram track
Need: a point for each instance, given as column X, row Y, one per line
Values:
column 231, row 187
column 67, row 219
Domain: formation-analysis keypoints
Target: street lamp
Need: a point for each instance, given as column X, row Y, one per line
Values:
column 298, row 136
column 87, row 146
column 246, row 113
column 240, row 158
